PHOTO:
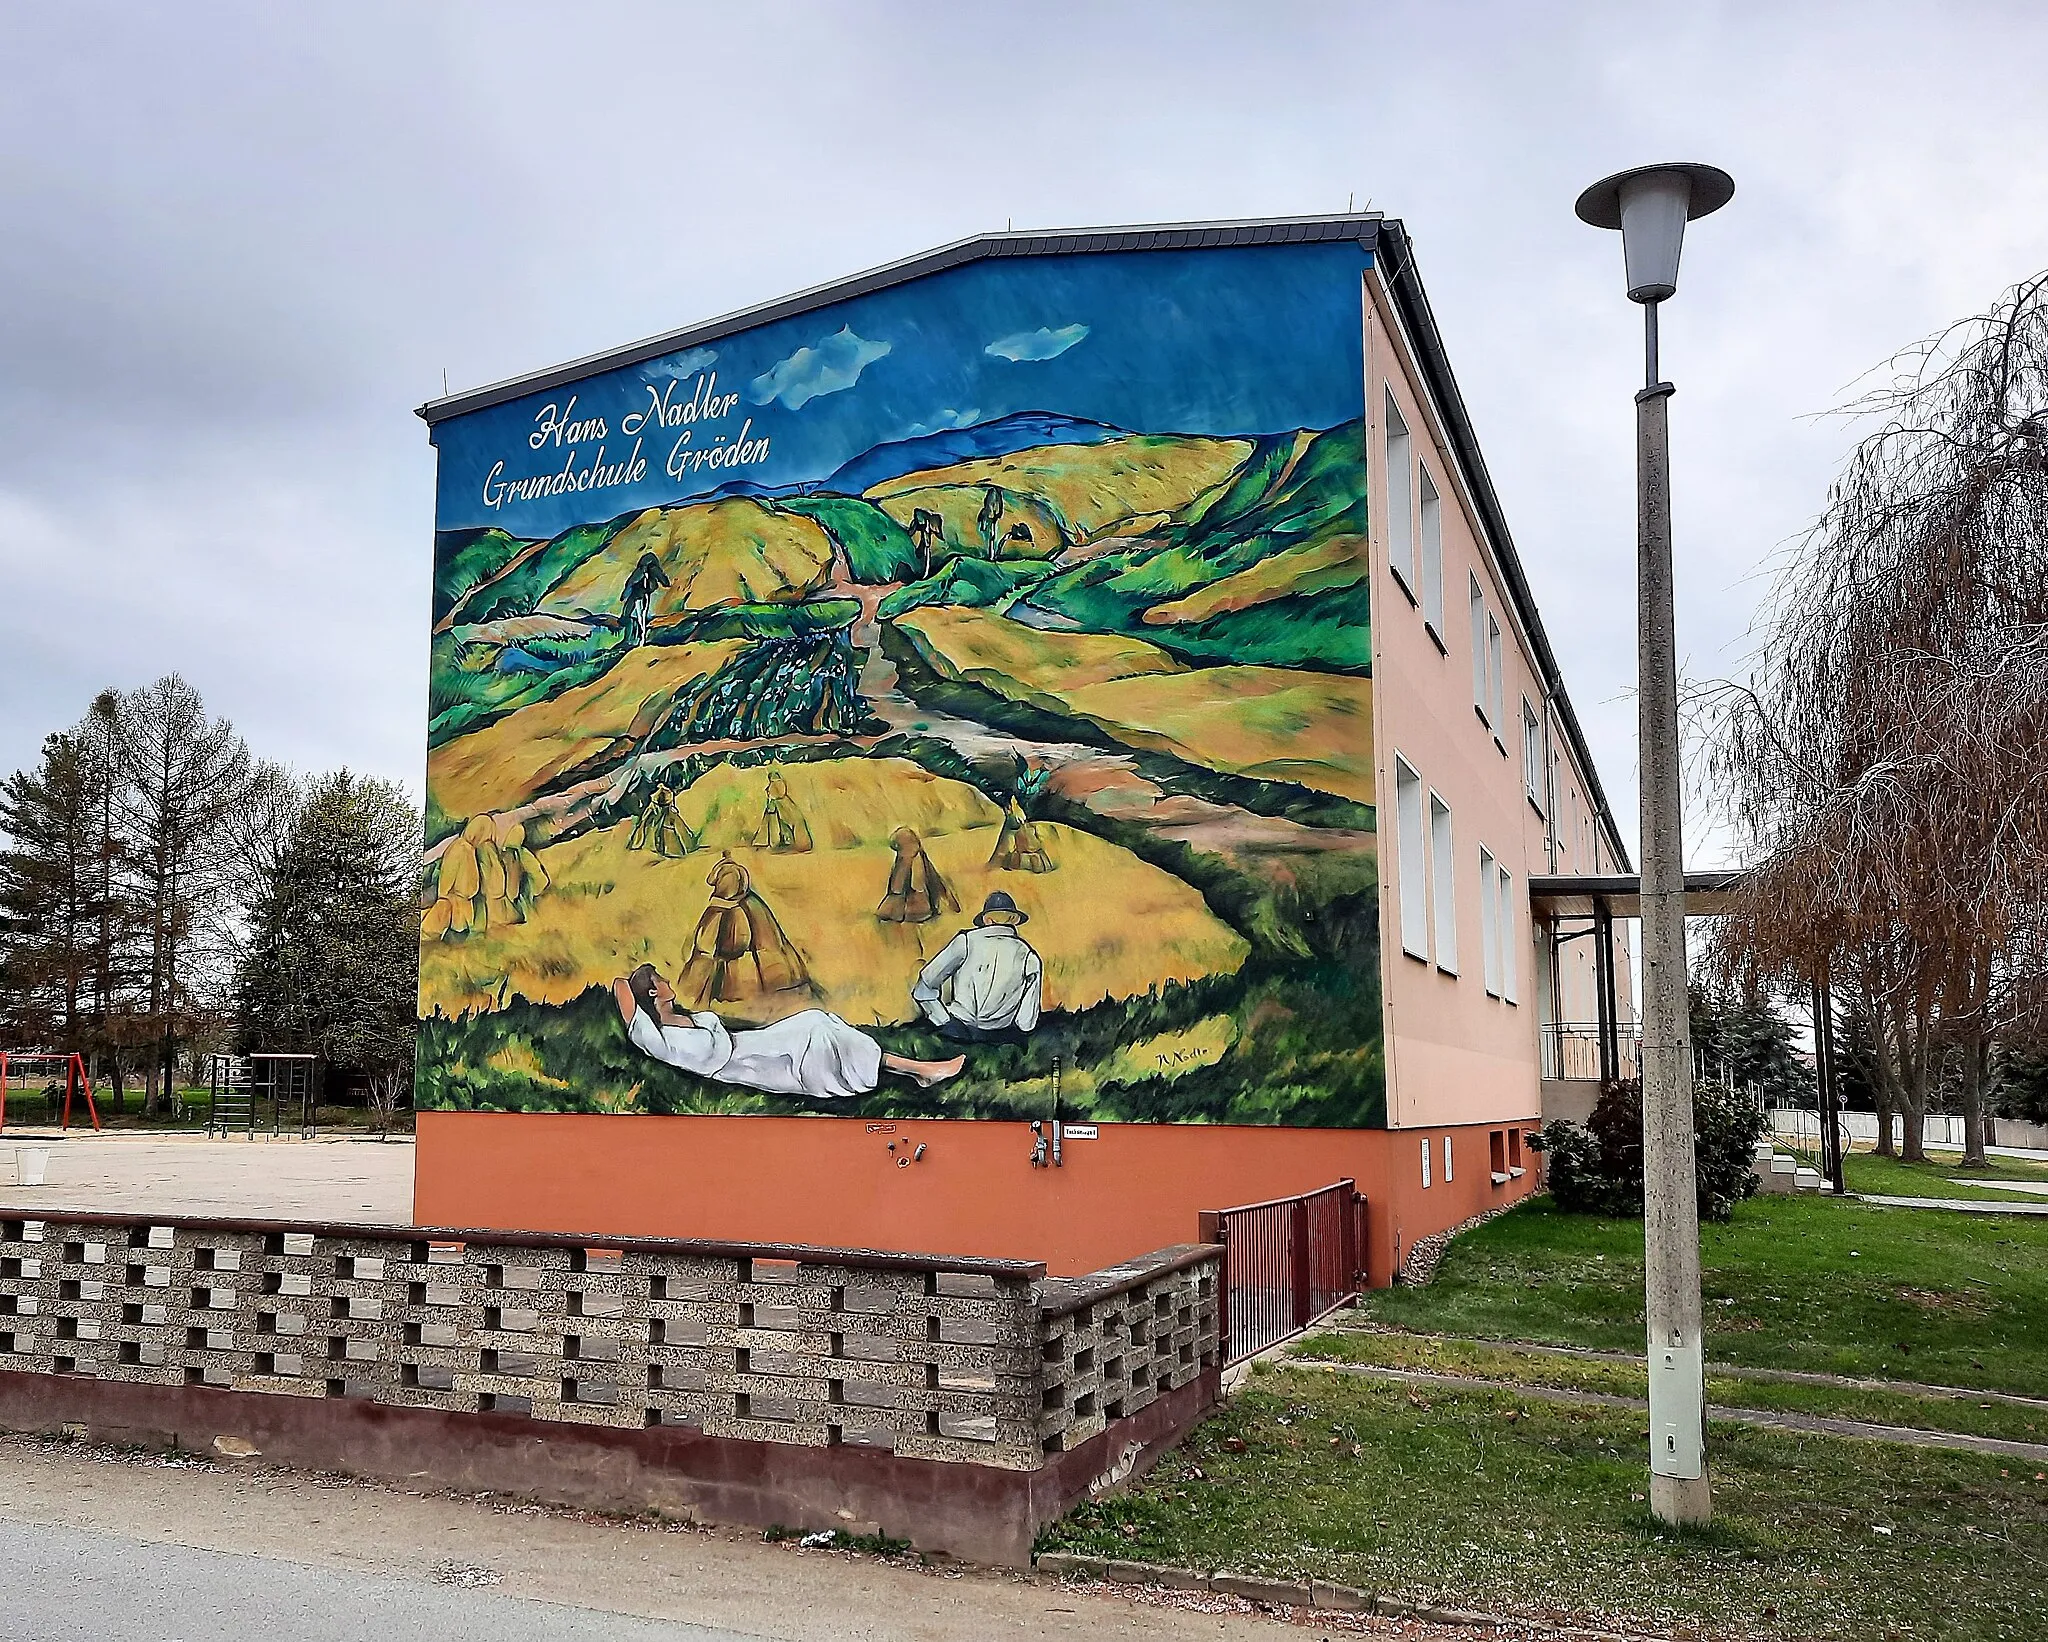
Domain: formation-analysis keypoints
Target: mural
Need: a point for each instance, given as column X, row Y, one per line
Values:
column 951, row 701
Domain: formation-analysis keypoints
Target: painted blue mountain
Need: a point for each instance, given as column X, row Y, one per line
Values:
column 1005, row 435
column 769, row 493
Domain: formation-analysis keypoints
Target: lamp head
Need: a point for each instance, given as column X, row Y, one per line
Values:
column 1651, row 206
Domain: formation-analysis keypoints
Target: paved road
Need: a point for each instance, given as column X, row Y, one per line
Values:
column 70, row 1585
column 365, row 1181
column 285, row 1554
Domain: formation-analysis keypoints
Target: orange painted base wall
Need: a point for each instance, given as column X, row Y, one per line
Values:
column 834, row 1181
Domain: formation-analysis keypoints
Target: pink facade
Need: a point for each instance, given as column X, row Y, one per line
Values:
column 1481, row 787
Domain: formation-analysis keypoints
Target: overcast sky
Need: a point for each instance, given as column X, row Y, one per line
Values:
column 241, row 244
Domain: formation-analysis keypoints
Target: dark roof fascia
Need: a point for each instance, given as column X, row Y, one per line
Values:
column 1395, row 259
column 1175, row 236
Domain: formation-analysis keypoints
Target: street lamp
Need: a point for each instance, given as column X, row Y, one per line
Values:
column 1651, row 206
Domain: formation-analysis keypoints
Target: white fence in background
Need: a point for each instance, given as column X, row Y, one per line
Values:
column 1938, row 1129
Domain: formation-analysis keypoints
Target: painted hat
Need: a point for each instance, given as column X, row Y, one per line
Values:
column 999, row 908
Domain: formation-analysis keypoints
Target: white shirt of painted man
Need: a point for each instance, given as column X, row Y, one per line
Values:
column 987, row 978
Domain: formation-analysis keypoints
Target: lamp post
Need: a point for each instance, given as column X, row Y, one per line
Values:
column 1651, row 206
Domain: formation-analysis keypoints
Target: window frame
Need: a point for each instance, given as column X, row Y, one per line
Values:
column 1496, row 670
column 1476, row 603
column 1489, row 921
column 1398, row 448
column 1532, row 755
column 1504, row 918
column 1411, row 870
column 1430, row 534
column 1443, row 887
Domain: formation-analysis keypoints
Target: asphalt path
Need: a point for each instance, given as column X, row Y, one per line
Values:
column 72, row 1585
column 130, row 1547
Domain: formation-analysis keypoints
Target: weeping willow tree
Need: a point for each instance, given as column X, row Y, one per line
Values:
column 1885, row 768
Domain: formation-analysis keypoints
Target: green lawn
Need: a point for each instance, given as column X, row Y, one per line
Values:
column 1887, row 1176
column 1482, row 1500
column 1726, row 1389
column 1801, row 1282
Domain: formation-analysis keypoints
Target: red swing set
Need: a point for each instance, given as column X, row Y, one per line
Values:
column 75, row 1080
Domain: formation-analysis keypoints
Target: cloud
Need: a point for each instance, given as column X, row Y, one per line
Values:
column 946, row 419
column 834, row 364
column 687, row 363
column 1028, row 347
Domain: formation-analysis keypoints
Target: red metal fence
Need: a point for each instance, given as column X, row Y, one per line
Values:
column 1287, row 1262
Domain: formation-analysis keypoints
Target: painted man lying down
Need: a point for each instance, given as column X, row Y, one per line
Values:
column 812, row 1053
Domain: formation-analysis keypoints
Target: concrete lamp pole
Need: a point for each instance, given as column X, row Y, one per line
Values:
column 1651, row 207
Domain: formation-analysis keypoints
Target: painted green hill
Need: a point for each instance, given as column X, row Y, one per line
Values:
column 1279, row 549
column 466, row 559
column 877, row 548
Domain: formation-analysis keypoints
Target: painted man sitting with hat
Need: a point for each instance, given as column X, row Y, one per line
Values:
column 985, row 981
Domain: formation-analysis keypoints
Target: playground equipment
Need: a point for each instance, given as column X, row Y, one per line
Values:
column 75, row 1080
column 238, row 1084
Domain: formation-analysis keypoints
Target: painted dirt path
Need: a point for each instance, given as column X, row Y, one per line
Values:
column 1108, row 783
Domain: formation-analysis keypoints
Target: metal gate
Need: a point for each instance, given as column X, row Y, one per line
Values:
column 1287, row 1262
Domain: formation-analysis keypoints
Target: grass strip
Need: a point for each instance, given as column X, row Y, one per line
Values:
column 1917, row 1411
column 1806, row 1282
column 1475, row 1499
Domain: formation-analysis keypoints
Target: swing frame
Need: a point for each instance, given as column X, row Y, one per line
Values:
column 75, row 1080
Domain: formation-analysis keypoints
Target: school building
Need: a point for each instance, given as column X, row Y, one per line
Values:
column 1152, row 580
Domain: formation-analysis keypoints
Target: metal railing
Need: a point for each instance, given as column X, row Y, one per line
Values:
column 1571, row 1052
column 1286, row 1263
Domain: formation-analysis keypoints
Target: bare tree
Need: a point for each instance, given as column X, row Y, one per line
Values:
column 185, row 776
column 1886, row 767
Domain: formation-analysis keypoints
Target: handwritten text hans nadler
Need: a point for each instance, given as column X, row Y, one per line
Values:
column 696, row 446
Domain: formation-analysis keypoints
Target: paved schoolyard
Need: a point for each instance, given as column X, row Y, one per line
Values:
column 360, row 1181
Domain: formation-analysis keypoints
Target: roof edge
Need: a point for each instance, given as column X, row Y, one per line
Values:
column 1361, row 226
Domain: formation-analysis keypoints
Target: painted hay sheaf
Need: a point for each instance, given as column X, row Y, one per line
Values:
column 1313, row 730
column 1106, row 924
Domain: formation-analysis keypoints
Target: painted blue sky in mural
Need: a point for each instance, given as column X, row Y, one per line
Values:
column 1104, row 337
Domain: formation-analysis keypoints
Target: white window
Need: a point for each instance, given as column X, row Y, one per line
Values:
column 1432, row 557
column 1425, row 1161
column 1400, row 497
column 1498, row 693
column 1443, row 885
column 1489, row 920
column 1480, row 694
column 1447, row 1157
column 1532, row 754
column 1509, row 986
column 1410, row 842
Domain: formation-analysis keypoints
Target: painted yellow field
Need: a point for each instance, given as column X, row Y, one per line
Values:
column 1313, row 567
column 1095, row 486
column 1024, row 663
column 844, row 802
column 1105, row 923
column 733, row 551
column 507, row 762
column 1272, row 723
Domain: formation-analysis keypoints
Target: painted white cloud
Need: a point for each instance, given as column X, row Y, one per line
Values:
column 1028, row 347
column 945, row 420
column 833, row 365
column 685, row 364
